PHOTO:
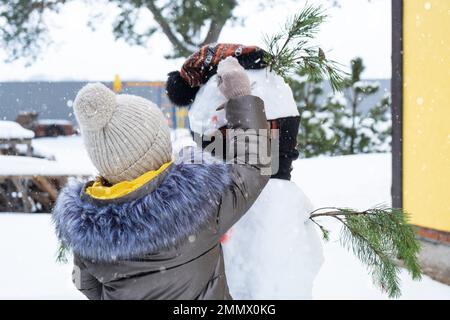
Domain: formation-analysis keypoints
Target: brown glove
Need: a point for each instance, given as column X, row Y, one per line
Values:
column 233, row 81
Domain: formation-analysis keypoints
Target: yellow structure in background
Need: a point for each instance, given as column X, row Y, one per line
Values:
column 182, row 114
column 426, row 112
column 176, row 117
column 117, row 84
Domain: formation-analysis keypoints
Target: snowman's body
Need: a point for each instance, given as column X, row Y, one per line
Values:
column 274, row 251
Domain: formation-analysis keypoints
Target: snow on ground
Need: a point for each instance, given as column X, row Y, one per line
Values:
column 349, row 181
column 28, row 244
column 28, row 270
column 359, row 182
column 13, row 130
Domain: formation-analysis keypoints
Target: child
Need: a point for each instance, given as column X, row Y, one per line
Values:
column 150, row 228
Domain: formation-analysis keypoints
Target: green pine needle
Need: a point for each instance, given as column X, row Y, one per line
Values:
column 379, row 237
column 61, row 255
column 290, row 50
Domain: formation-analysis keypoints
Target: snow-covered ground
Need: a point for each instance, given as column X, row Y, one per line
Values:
column 360, row 182
column 28, row 244
column 28, row 269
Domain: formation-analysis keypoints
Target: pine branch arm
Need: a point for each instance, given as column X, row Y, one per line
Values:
column 338, row 213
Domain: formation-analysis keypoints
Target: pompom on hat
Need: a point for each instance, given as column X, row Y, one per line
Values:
column 182, row 86
column 125, row 136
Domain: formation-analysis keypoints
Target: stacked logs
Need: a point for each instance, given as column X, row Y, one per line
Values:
column 29, row 193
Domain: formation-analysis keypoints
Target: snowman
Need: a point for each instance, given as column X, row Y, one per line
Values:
column 274, row 251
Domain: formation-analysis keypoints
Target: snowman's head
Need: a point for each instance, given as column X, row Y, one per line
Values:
column 196, row 85
column 182, row 86
column 270, row 87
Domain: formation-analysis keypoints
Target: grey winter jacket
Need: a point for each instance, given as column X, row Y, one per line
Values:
column 162, row 241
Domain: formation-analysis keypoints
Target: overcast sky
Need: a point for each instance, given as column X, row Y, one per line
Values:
column 358, row 28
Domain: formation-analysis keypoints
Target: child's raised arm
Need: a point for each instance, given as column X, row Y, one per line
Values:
column 248, row 138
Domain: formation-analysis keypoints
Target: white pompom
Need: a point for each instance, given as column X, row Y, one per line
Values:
column 94, row 106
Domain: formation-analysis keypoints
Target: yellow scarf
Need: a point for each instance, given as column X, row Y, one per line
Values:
column 99, row 191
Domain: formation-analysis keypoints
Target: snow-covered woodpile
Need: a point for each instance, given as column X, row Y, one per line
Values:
column 30, row 176
column 29, row 193
column 13, row 135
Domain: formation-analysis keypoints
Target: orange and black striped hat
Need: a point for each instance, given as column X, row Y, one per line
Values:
column 182, row 86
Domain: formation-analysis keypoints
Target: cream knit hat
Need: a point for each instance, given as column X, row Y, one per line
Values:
column 125, row 136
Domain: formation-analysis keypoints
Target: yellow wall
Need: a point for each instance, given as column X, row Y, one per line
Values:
column 426, row 112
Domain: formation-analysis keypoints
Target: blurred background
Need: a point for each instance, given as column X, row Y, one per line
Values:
column 348, row 153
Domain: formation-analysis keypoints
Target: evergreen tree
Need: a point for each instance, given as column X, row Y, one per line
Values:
column 359, row 132
column 381, row 236
column 317, row 135
column 336, row 125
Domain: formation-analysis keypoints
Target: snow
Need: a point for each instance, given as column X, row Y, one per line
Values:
column 181, row 138
column 69, row 153
column 306, row 114
column 360, row 182
column 78, row 53
column 28, row 166
column 364, row 85
column 368, row 122
column 60, row 122
column 264, row 85
column 66, row 155
column 357, row 181
column 338, row 99
column 13, row 130
column 28, row 270
column 275, row 235
column 28, row 244
column 70, row 158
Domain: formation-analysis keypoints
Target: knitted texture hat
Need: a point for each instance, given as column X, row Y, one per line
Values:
column 125, row 136
column 182, row 86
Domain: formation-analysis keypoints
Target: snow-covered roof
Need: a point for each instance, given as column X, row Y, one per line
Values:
column 60, row 122
column 13, row 130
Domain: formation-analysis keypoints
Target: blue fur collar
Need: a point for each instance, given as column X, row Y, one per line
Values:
column 179, row 207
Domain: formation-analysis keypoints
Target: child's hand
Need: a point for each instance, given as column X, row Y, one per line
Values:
column 233, row 81
column 217, row 121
